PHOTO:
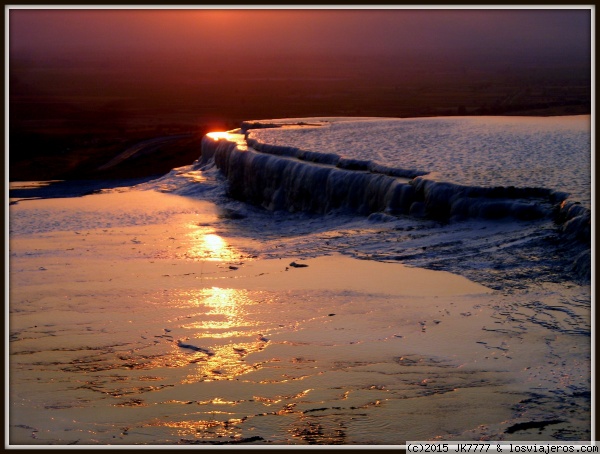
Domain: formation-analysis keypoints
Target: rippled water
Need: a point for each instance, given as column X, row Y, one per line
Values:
column 170, row 314
column 553, row 152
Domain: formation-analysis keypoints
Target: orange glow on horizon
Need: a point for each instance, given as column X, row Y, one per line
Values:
column 234, row 136
column 216, row 136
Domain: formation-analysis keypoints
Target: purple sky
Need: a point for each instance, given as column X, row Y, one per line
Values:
column 516, row 32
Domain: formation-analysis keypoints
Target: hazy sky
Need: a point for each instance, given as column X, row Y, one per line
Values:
column 248, row 32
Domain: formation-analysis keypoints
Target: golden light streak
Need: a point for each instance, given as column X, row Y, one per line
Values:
column 205, row 244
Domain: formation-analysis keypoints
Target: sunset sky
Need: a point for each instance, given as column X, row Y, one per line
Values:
column 518, row 32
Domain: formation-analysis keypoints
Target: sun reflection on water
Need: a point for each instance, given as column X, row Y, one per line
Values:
column 205, row 428
column 226, row 309
column 225, row 331
column 205, row 244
